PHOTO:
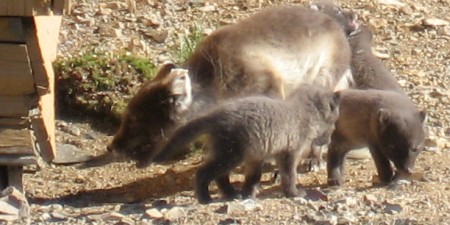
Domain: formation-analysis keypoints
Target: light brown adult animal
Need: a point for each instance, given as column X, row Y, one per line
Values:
column 270, row 53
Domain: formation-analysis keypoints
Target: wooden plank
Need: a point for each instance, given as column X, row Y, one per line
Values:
column 16, row 77
column 16, row 141
column 14, row 53
column 38, row 7
column 15, row 122
column 11, row 29
column 16, row 160
column 61, row 7
column 18, row 8
column 42, row 38
column 17, row 106
column 45, row 139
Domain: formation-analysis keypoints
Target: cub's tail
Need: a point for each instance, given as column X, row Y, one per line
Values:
column 181, row 137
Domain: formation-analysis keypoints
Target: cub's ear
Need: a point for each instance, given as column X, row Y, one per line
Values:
column 164, row 71
column 384, row 117
column 423, row 116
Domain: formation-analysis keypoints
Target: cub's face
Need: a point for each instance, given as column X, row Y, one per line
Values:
column 152, row 113
column 347, row 19
column 403, row 137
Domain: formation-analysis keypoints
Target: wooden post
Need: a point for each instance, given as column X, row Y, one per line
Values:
column 29, row 32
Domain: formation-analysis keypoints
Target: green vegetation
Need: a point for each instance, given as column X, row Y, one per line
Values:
column 188, row 44
column 100, row 84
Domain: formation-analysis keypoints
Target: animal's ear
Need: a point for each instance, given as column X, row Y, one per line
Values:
column 165, row 70
column 314, row 7
column 383, row 117
column 423, row 116
column 181, row 83
column 181, row 90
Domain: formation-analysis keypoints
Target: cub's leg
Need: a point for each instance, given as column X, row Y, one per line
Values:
column 225, row 156
column 252, row 177
column 384, row 169
column 225, row 187
column 335, row 164
column 287, row 164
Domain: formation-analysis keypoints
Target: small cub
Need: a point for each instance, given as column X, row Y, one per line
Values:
column 252, row 129
column 386, row 122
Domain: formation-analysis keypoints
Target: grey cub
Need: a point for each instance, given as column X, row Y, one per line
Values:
column 252, row 129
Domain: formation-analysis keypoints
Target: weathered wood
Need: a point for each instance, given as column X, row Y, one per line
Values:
column 45, row 138
column 16, row 77
column 11, row 30
column 17, row 160
column 15, row 141
column 25, row 7
column 14, row 52
column 15, row 177
column 42, row 37
column 17, row 106
column 61, row 7
column 15, row 123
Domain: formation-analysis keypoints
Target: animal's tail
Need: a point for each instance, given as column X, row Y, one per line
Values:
column 181, row 137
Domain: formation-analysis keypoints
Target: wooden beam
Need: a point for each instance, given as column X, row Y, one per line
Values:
column 17, row 106
column 11, row 29
column 16, row 160
column 16, row 141
column 15, row 123
column 16, row 77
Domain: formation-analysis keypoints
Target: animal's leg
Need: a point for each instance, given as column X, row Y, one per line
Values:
column 287, row 164
column 384, row 169
column 252, row 177
column 335, row 165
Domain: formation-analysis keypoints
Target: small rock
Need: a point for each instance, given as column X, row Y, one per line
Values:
column 175, row 213
column 394, row 3
column 70, row 129
column 104, row 11
column 159, row 36
column 80, row 179
column 58, row 216
column 251, row 205
column 113, row 216
column 110, row 32
column 115, row 5
column 207, row 8
column 153, row 213
column 434, row 22
column 370, row 199
column 392, row 208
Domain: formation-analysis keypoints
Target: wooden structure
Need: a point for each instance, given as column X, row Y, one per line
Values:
column 29, row 32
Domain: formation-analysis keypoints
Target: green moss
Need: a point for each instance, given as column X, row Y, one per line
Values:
column 99, row 83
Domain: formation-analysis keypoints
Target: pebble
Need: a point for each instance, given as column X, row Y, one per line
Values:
column 175, row 213
column 392, row 208
column 153, row 213
column 434, row 22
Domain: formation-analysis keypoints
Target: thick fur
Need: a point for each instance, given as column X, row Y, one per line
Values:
column 368, row 71
column 347, row 19
column 171, row 91
column 252, row 129
column 270, row 53
column 386, row 122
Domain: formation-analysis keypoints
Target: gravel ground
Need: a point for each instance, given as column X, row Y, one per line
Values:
column 413, row 37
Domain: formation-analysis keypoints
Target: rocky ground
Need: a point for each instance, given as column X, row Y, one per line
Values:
column 413, row 37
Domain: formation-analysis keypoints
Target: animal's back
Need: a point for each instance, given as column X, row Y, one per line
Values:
column 288, row 45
